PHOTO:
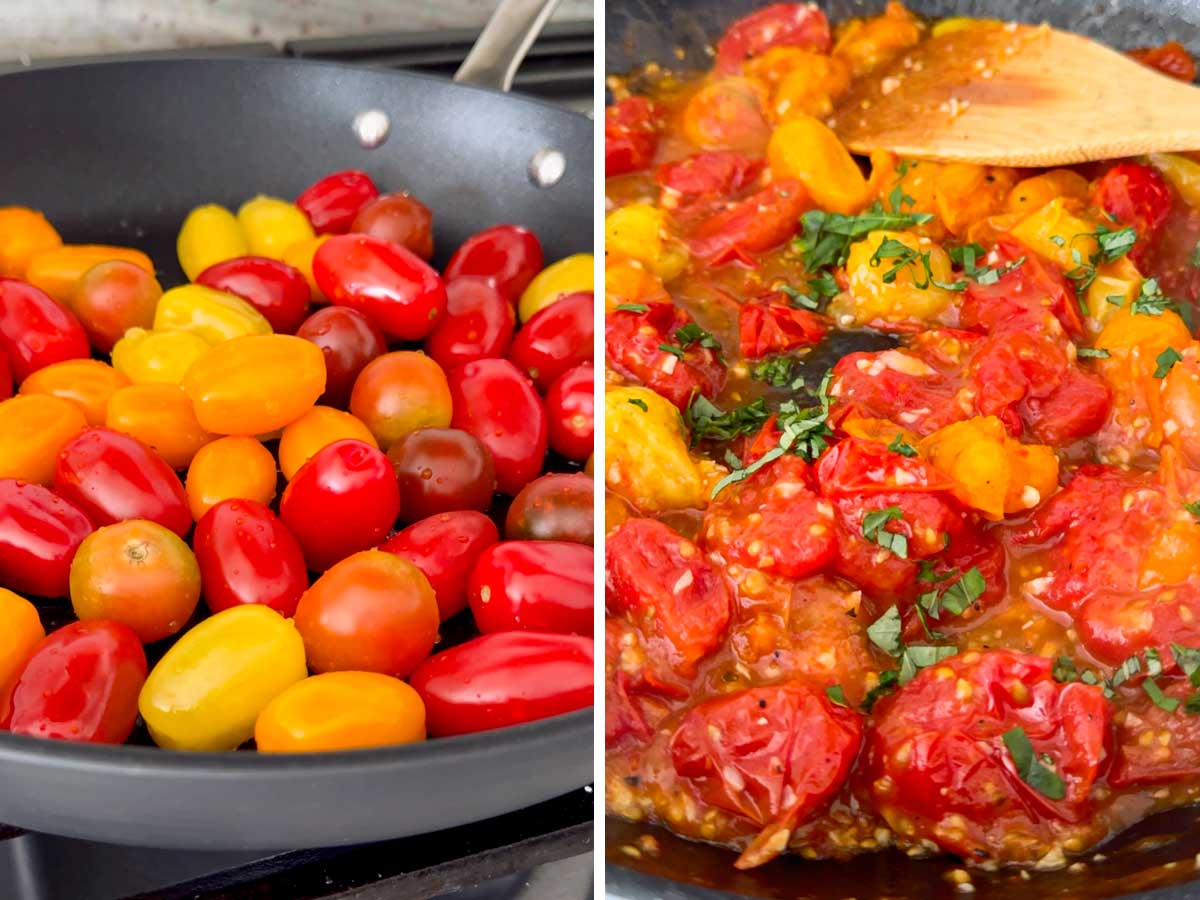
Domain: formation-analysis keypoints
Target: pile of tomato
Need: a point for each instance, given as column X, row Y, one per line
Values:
column 250, row 506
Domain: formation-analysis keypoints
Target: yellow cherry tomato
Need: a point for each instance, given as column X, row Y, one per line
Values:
column 210, row 234
column 341, row 711
column 160, row 416
column 58, row 271
column 34, row 428
column 255, row 384
column 647, row 459
column 88, row 383
column 272, row 225
column 208, row 690
column 300, row 257
column 214, row 315
column 24, row 233
column 157, row 357
column 315, row 430
column 22, row 632
column 806, row 149
column 230, row 468
column 567, row 276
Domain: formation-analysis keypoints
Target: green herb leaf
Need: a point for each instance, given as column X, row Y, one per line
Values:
column 1150, row 301
column 641, row 404
column 706, row 421
column 800, row 299
column 775, row 370
column 1114, row 243
column 1192, row 705
column 873, row 530
column 1153, row 663
column 1194, row 259
column 888, row 680
column 901, row 446
column 1092, row 353
column 691, row 333
column 1115, row 299
column 921, row 656
column 1125, row 671
column 1161, row 700
column 672, row 349
column 884, row 632
column 633, row 307
column 1058, row 240
column 827, row 236
column 835, row 693
column 1032, row 771
column 969, row 588
column 1064, row 670
column 1188, row 659
column 1193, row 508
column 1165, row 360
column 742, row 474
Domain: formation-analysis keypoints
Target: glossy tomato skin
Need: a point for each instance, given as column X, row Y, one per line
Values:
column 113, row 297
column 761, row 221
column 442, row 470
column 533, row 586
column 35, row 331
column 400, row 218
column 6, row 379
column 247, row 555
column 507, row 254
column 445, row 548
column 555, row 339
column 495, row 402
column 332, row 202
column 343, row 500
column 479, row 323
column 571, row 413
column 554, row 507
column 504, row 679
column 80, row 684
column 349, row 341
column 778, row 25
column 390, row 285
column 1137, row 195
column 113, row 477
column 275, row 289
column 39, row 535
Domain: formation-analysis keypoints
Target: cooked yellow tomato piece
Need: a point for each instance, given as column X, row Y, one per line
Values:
column 803, row 83
column 1030, row 194
column 893, row 289
column 866, row 44
column 1116, row 285
column 806, row 149
column 628, row 282
column 965, row 193
column 1181, row 406
column 1057, row 231
column 648, row 461
column 639, row 232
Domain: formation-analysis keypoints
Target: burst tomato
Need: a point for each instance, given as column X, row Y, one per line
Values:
column 631, row 129
column 800, row 25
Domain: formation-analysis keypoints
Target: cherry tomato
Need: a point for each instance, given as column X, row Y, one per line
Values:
column 315, row 430
column 479, row 323
column 230, row 468
column 390, row 285
column 59, row 271
column 495, row 402
column 533, row 586
column 113, row 477
column 555, row 507
column 343, row 500
column 35, row 331
column 1141, row 761
column 274, row 288
column 341, row 711
column 35, row 428
column 271, row 225
column 504, row 679
column 778, row 25
column 39, row 534
column 509, row 255
column 760, row 222
column 157, row 357
column 88, row 383
column 1021, row 296
column 766, row 326
column 300, row 257
column 445, row 547
column 718, row 173
column 255, row 384
column 349, row 341
column 162, row 417
column 23, row 234
column 80, row 684
column 208, row 690
column 555, row 339
column 113, row 297
column 22, row 632
column 442, row 470
column 1171, row 58
column 1135, row 194
column 631, row 129
column 372, row 612
column 209, row 234
column 210, row 314
column 399, row 218
column 136, row 573
column 574, row 274
column 571, row 413
column 397, row 393
column 6, row 379
column 633, row 342
column 247, row 555
column 332, row 202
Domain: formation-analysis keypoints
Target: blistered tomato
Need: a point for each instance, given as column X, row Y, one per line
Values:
column 88, row 383
column 349, row 341
column 372, row 612
column 341, row 711
column 80, row 684
column 314, row 431
column 39, row 535
column 213, row 315
column 479, row 323
column 533, row 586
column 21, row 633
column 272, row 225
column 555, row 507
column 208, row 690
column 113, row 297
column 23, row 234
column 400, row 392
column 160, row 416
column 555, row 339
column 35, row 331
column 508, row 255
column 230, row 468
column 571, row 413
column 273, row 288
column 300, row 257
column 332, row 203
column 444, row 547
column 59, row 271
column 572, row 275
column 442, row 470
column 209, row 235
column 34, row 428
column 255, row 384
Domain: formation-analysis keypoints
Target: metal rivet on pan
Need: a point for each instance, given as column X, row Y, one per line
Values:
column 547, row 167
column 371, row 127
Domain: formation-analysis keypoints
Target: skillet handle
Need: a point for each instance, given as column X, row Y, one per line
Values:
column 503, row 43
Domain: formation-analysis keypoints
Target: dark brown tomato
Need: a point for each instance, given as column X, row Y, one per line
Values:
column 478, row 324
column 349, row 341
column 442, row 470
column 555, row 507
column 400, row 218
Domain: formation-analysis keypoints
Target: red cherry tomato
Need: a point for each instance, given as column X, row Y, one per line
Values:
column 507, row 254
column 39, row 534
column 763, row 220
column 632, row 341
column 442, row 470
column 631, row 129
column 1171, row 58
column 344, row 499
column 247, row 555
column 766, row 326
column 555, row 339
column 571, row 413
column 275, row 289
column 1141, row 762
column 1021, row 296
column 332, row 203
column 445, row 547
column 479, row 323
column 533, row 586
column 6, row 380
column 113, row 477
column 1138, row 195
column 504, row 679
column 800, row 25
column 717, row 173
column 399, row 218
column 495, row 402
column 349, row 341
column 391, row 286
column 36, row 331
column 81, row 684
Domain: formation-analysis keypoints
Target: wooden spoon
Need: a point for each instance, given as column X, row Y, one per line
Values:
column 1018, row 95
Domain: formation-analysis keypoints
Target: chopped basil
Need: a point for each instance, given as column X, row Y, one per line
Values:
column 904, row 257
column 834, row 692
column 672, row 349
column 1165, row 360
column 1125, row 671
column 1033, row 772
column 1161, row 700
column 888, row 679
column 874, row 531
column 633, row 307
column 707, row 422
column 956, row 598
column 884, row 632
column 691, row 333
column 1114, row 243
column 1153, row 663
column 966, row 255
column 1058, row 240
column 641, row 404
column 1188, row 659
column 1064, row 670
column 1192, row 705
column 1193, row 508
column 1151, row 301
column 775, row 371
column 926, row 573
column 897, row 198
column 920, row 656
column 799, row 298
column 742, row 474
column 1115, row 299
column 827, row 236
column 901, row 446
column 1092, row 353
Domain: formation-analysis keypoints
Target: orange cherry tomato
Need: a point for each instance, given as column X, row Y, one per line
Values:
column 23, row 631
column 230, row 468
column 314, row 431
column 58, row 271
column 161, row 416
column 34, row 428
column 88, row 383
column 341, row 711
column 256, row 384
column 397, row 393
column 23, row 234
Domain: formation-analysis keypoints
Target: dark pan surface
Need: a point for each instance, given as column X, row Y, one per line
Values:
column 1156, row 859
column 119, row 153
